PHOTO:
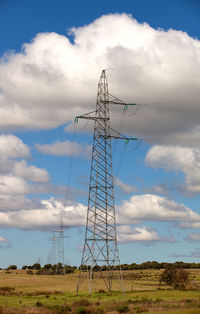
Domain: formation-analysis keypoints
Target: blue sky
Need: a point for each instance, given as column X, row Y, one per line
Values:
column 46, row 80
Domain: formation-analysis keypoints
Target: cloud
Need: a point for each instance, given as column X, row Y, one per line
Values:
column 46, row 216
column 193, row 237
column 125, row 187
column 6, row 165
column 49, row 83
column 149, row 207
column 30, row 173
column 4, row 244
column 163, row 188
column 17, row 202
column 193, row 254
column 65, row 148
column 12, row 146
column 140, row 234
column 20, row 212
column 10, row 184
column 3, row 240
column 190, row 224
column 184, row 159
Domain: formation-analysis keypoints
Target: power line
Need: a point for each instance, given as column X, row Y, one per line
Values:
column 150, row 64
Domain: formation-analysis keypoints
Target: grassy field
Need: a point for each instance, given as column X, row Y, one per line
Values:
column 24, row 293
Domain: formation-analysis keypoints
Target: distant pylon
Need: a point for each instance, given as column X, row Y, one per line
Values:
column 60, row 269
column 100, row 247
column 52, row 258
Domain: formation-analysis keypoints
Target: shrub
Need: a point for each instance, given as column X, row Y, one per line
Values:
column 122, row 308
column 24, row 267
column 48, row 266
column 12, row 267
column 36, row 266
column 101, row 291
column 30, row 267
column 82, row 302
column 176, row 277
column 30, row 272
column 7, row 289
column 81, row 310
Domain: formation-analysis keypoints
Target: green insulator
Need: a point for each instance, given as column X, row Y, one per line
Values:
column 76, row 120
column 127, row 141
column 125, row 107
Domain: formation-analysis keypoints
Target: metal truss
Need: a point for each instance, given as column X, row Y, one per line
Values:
column 100, row 250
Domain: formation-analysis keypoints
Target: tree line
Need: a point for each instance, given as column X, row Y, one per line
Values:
column 134, row 266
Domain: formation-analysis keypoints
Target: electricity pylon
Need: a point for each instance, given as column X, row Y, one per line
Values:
column 52, row 258
column 100, row 247
column 59, row 244
column 60, row 249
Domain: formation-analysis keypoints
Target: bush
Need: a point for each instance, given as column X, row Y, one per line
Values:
column 122, row 308
column 12, row 267
column 81, row 310
column 175, row 277
column 36, row 266
column 24, row 267
column 44, row 271
column 30, row 267
column 48, row 266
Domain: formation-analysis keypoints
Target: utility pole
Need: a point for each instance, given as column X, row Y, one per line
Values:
column 100, row 248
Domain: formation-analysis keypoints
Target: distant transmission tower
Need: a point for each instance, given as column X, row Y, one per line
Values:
column 60, row 252
column 52, row 258
column 100, row 247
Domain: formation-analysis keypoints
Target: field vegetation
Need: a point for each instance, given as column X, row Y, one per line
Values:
column 145, row 292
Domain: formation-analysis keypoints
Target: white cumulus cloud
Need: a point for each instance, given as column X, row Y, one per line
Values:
column 30, row 173
column 184, row 159
column 52, row 79
column 12, row 146
column 46, row 216
column 150, row 207
column 140, row 234
column 126, row 188
column 10, row 184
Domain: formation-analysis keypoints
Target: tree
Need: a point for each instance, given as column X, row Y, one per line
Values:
column 36, row 266
column 12, row 267
column 48, row 266
column 175, row 277
column 30, row 267
column 24, row 267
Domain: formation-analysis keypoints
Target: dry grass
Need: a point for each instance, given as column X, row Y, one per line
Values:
column 23, row 293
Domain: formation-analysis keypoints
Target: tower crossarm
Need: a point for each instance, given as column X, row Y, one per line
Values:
column 116, row 101
column 118, row 135
column 90, row 116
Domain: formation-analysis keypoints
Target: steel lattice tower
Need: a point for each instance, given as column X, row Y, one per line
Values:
column 52, row 258
column 100, row 247
column 60, row 265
